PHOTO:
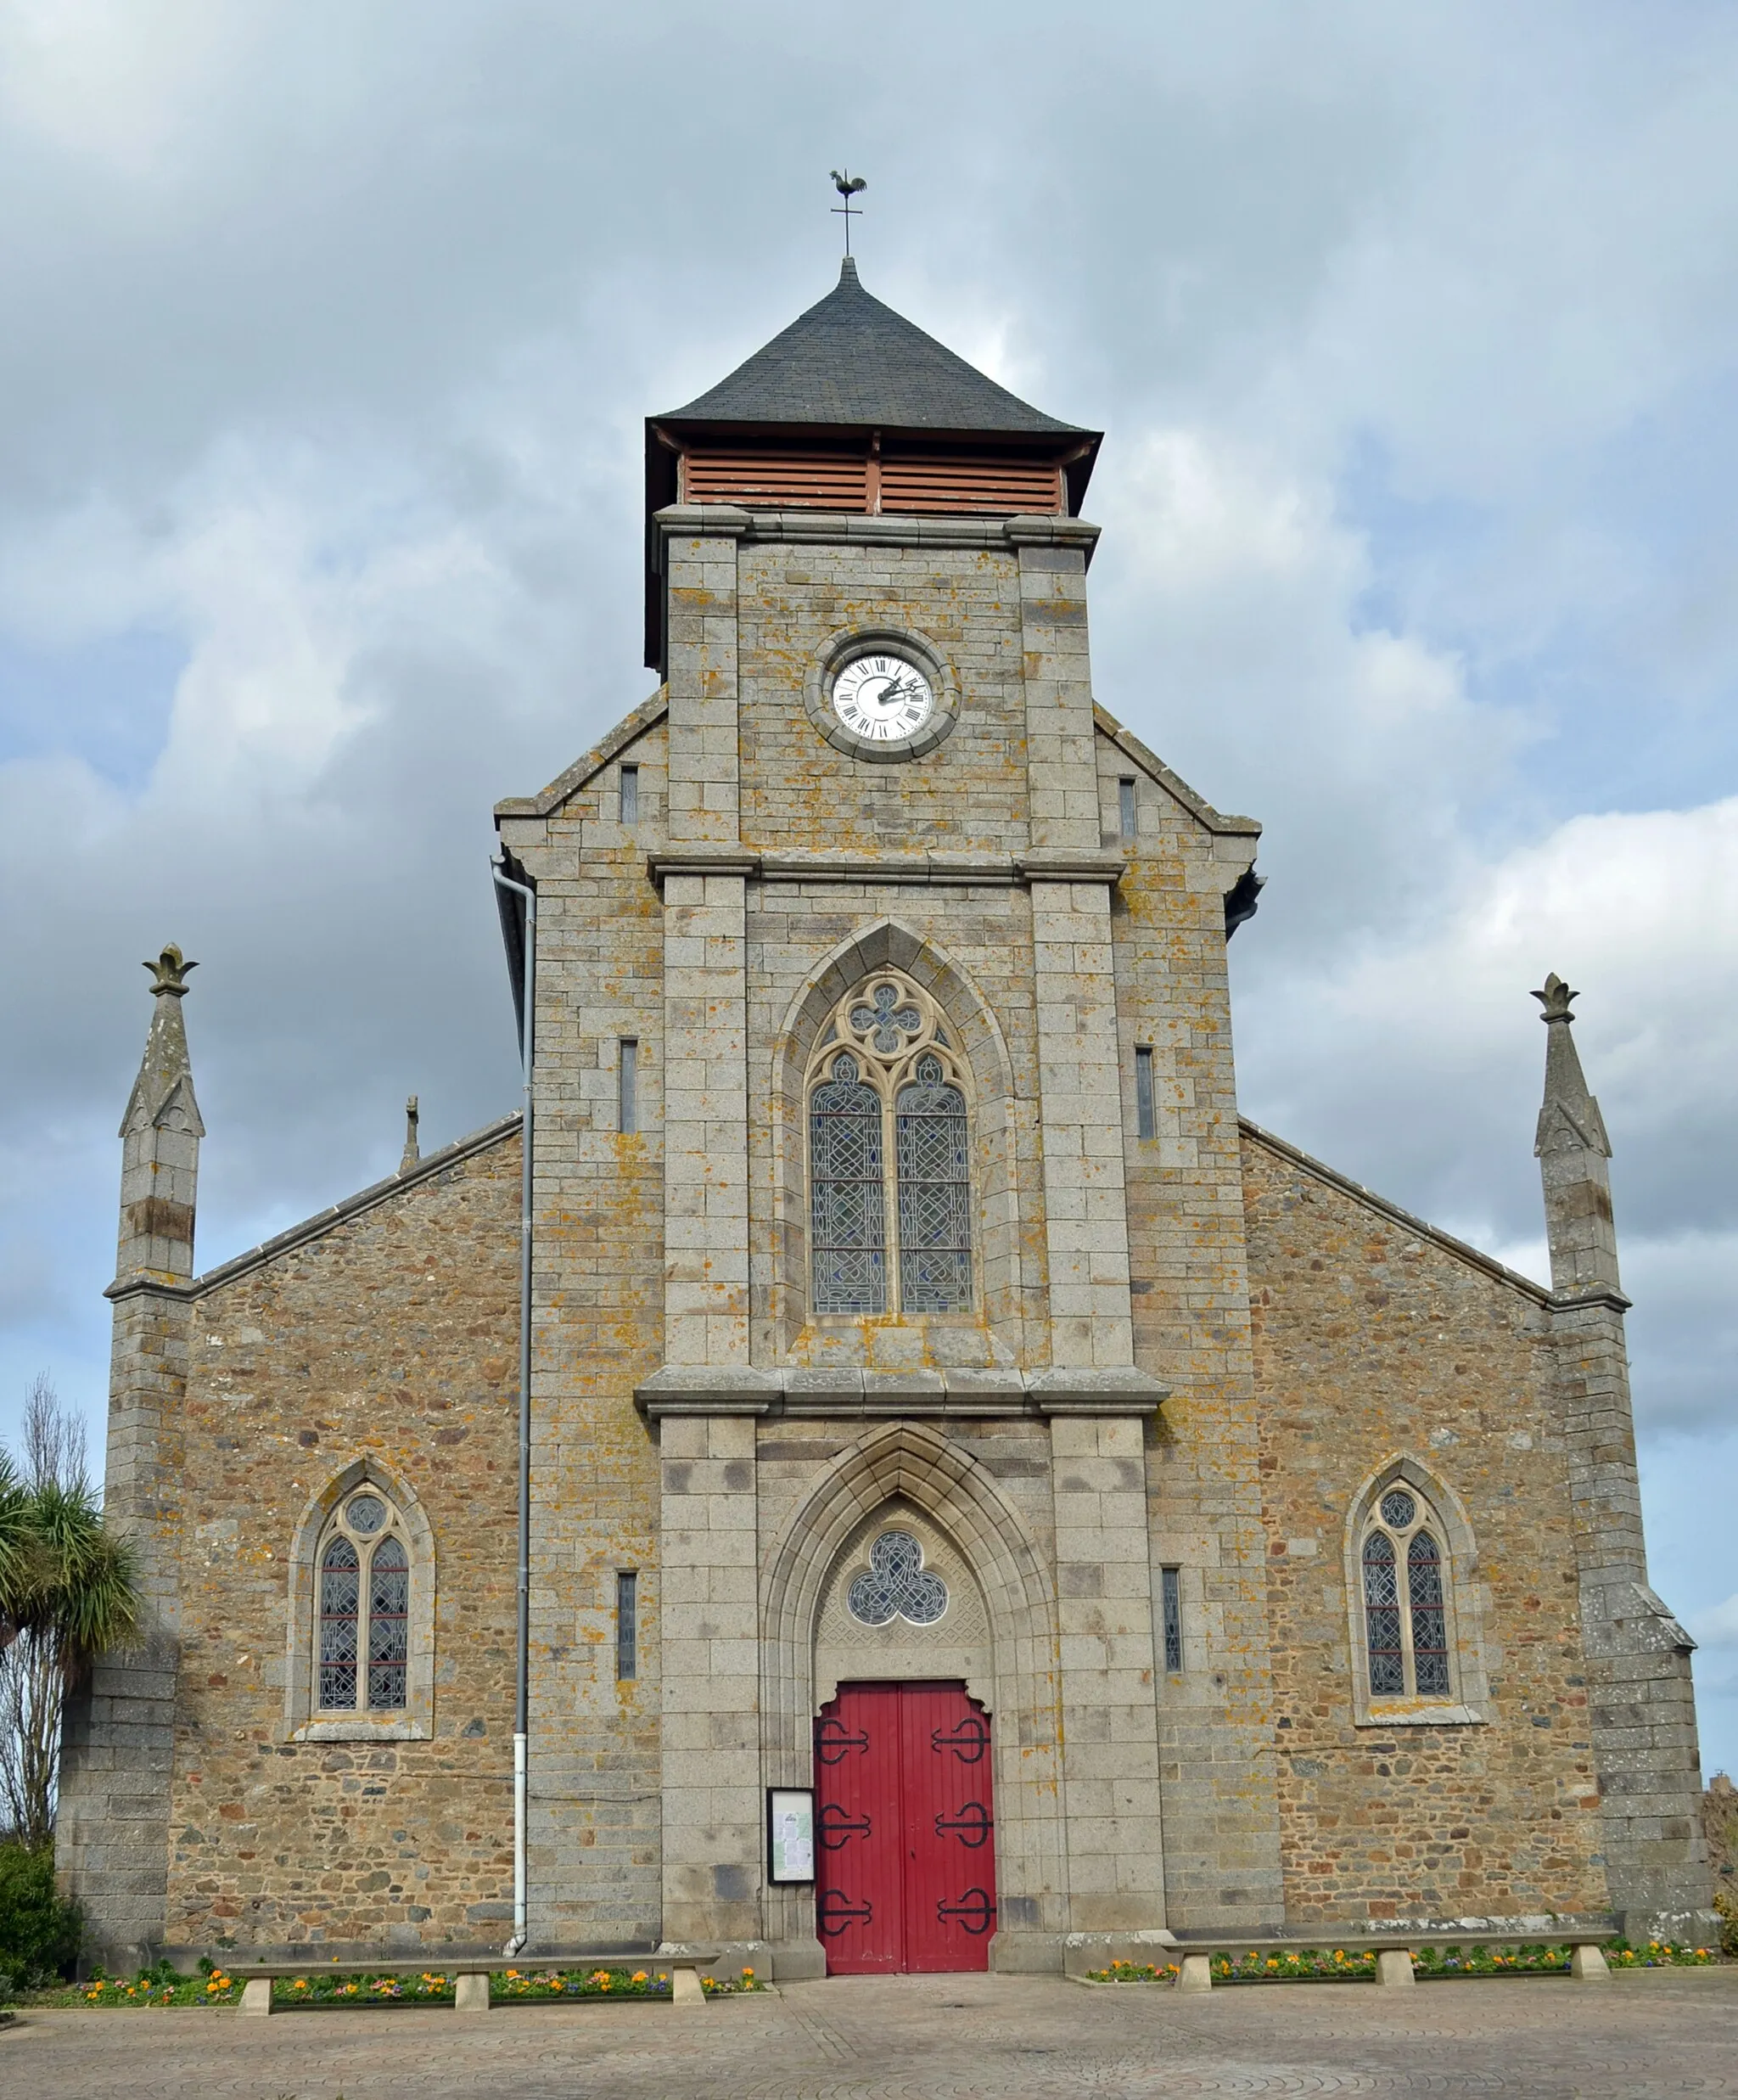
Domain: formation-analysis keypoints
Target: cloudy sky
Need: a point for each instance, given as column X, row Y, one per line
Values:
column 329, row 331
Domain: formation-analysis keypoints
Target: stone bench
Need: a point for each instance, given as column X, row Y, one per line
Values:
column 1393, row 1956
column 470, row 1974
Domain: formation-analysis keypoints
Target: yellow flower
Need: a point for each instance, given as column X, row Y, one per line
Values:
column 748, row 1971
column 639, row 1975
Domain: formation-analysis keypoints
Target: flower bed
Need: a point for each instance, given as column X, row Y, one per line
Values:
column 162, row 1986
column 1430, row 1964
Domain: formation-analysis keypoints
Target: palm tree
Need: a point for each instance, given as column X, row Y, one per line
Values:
column 67, row 1594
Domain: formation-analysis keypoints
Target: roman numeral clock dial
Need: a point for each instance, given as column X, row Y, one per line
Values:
column 883, row 698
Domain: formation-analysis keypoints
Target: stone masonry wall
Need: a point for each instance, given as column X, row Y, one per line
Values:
column 1373, row 1339
column 1190, row 1296
column 797, row 791
column 392, row 1334
column 597, row 1328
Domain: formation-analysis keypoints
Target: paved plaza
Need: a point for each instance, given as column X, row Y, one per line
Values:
column 918, row 2036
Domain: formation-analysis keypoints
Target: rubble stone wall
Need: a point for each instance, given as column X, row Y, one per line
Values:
column 1374, row 1339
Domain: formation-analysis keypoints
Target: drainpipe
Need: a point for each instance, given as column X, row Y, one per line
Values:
column 520, row 927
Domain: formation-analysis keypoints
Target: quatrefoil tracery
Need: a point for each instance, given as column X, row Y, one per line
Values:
column 890, row 1023
column 896, row 1585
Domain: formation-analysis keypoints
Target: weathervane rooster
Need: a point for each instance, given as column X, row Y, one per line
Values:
column 847, row 186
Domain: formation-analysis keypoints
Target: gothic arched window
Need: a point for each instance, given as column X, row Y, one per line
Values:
column 1405, row 1598
column 890, row 1182
column 362, row 1612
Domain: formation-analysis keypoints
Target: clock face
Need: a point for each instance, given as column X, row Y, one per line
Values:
column 883, row 698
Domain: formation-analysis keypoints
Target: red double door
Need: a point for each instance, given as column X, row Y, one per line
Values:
column 905, row 1857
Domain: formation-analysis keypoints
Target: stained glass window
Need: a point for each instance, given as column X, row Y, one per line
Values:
column 1382, row 1602
column 1405, row 1602
column 1430, row 1633
column 935, row 1227
column 339, row 1586
column 847, row 1222
column 389, row 1625
column 890, row 1179
column 896, row 1585
column 363, row 1634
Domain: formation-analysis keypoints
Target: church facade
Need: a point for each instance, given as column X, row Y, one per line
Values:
column 982, row 1502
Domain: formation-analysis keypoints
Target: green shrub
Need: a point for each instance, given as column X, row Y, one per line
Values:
column 40, row 1931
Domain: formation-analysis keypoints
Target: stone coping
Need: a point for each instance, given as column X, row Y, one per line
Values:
column 322, row 1221
column 711, row 1389
column 834, row 528
column 930, row 869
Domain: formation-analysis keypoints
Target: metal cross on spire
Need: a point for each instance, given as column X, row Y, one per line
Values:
column 847, row 186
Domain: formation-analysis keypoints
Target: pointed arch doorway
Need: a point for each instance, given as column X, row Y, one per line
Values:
column 904, row 1817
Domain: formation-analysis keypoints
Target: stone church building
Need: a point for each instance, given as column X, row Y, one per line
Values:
column 977, row 1500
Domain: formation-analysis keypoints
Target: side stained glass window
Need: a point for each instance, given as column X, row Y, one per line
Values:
column 363, row 1622
column 1382, row 1601
column 389, row 1625
column 1405, row 1601
column 339, row 1598
column 889, row 1158
column 1430, row 1633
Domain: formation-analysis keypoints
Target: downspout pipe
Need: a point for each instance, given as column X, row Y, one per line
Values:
column 519, row 919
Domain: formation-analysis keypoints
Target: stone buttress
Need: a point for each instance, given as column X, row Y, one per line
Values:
column 113, row 1836
column 1638, row 1655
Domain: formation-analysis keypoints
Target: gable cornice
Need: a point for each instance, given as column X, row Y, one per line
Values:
column 1215, row 820
column 646, row 715
column 364, row 1200
column 1369, row 1200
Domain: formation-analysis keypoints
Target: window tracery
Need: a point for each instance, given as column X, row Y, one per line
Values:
column 362, row 1621
column 889, row 1177
column 1405, row 1599
column 896, row 1585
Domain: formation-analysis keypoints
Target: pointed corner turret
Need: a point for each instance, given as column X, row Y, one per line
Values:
column 161, row 1134
column 1571, row 1148
column 1641, row 1719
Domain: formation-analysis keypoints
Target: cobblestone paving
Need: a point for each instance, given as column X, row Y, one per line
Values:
column 924, row 2038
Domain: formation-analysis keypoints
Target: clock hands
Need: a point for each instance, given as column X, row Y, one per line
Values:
column 896, row 689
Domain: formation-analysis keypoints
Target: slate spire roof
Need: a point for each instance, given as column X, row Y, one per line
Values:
column 851, row 362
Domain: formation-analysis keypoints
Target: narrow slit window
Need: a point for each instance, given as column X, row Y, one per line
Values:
column 1145, row 1112
column 628, row 780
column 1125, row 809
column 628, row 1085
column 1171, row 1592
column 627, row 1624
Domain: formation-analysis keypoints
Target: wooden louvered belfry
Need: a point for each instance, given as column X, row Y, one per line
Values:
column 854, row 410
column 919, row 482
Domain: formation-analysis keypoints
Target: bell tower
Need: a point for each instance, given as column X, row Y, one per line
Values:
column 904, row 867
